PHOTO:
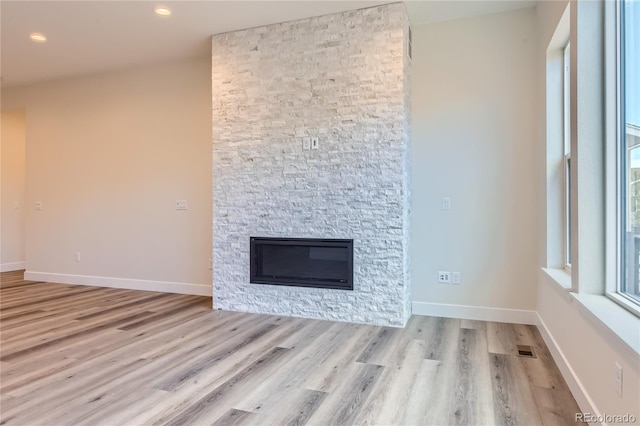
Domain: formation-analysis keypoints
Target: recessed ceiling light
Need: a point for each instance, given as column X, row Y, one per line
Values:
column 162, row 10
column 38, row 37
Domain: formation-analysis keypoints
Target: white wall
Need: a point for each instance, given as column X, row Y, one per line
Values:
column 584, row 348
column 108, row 156
column 12, row 231
column 586, row 351
column 474, row 91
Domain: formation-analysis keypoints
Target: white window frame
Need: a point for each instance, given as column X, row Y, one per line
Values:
column 566, row 135
column 557, row 122
column 616, row 167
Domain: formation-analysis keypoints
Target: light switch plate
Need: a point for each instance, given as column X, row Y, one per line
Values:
column 446, row 203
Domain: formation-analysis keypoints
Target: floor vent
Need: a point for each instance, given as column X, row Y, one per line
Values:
column 526, row 351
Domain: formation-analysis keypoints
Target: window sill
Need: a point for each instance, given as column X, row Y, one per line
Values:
column 624, row 302
column 612, row 319
column 559, row 276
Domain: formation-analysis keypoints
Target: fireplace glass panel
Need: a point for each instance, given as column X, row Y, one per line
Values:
column 302, row 262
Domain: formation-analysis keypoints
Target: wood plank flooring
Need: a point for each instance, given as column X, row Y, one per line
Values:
column 75, row 355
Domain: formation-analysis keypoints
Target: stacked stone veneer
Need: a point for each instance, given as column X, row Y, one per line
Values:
column 343, row 78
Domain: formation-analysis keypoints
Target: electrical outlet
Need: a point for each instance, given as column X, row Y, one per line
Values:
column 77, row 256
column 444, row 277
column 306, row 143
column 181, row 204
column 618, row 379
column 210, row 263
column 455, row 278
column 38, row 205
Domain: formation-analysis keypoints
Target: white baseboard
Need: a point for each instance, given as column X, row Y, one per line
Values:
column 478, row 313
column 161, row 286
column 15, row 266
column 575, row 385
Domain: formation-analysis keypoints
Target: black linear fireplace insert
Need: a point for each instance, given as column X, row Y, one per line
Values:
column 302, row 262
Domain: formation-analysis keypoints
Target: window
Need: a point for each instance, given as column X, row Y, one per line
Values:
column 628, row 151
column 566, row 138
column 558, row 153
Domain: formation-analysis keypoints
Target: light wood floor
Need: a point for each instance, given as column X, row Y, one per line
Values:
column 75, row 355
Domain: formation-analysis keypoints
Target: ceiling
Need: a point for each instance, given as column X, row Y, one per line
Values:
column 86, row 37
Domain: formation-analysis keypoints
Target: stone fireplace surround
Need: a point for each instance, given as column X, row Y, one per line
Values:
column 343, row 79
